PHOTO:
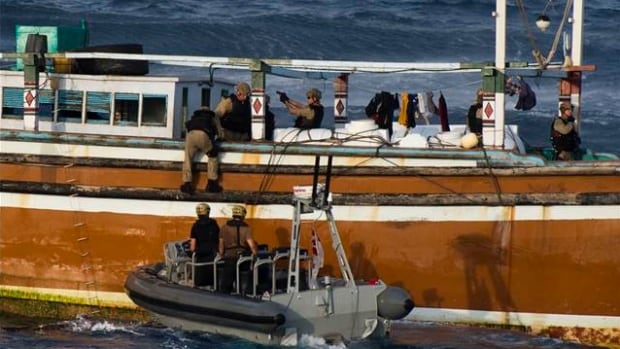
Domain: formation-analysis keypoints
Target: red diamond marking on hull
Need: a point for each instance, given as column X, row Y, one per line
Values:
column 488, row 110
column 29, row 98
column 340, row 107
column 257, row 105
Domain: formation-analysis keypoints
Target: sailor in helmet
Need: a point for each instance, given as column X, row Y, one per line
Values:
column 204, row 243
column 564, row 136
column 309, row 115
column 236, row 239
column 235, row 113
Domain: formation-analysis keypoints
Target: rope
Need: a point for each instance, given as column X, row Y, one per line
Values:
column 540, row 59
column 535, row 51
column 498, row 189
column 556, row 39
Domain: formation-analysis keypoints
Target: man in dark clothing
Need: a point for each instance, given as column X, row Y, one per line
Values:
column 202, row 130
column 564, row 137
column 235, row 114
column 204, row 243
column 474, row 115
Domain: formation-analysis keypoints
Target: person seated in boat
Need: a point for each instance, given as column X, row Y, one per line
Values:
column 204, row 244
column 235, row 114
column 236, row 240
column 202, row 130
column 564, row 137
column 474, row 116
column 309, row 115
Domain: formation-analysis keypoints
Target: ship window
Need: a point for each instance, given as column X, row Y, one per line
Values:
column 205, row 97
column 13, row 107
column 154, row 110
column 12, row 103
column 98, row 107
column 46, row 104
column 70, row 106
column 127, row 105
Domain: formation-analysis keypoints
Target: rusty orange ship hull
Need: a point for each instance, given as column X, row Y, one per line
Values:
column 518, row 246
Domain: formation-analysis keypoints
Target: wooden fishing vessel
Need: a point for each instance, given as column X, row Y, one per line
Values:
column 498, row 235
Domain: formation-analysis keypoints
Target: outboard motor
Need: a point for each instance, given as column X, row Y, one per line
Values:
column 394, row 303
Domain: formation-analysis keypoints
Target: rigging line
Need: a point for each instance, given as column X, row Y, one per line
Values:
column 556, row 39
column 272, row 166
column 494, row 178
column 549, row 2
column 530, row 36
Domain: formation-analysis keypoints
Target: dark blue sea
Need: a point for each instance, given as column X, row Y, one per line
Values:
column 82, row 333
column 404, row 30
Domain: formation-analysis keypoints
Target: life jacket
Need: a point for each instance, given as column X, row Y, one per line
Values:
column 239, row 119
column 207, row 236
column 238, row 247
column 561, row 142
column 306, row 124
column 203, row 120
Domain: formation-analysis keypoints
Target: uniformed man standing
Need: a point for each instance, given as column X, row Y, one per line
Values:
column 235, row 114
column 564, row 137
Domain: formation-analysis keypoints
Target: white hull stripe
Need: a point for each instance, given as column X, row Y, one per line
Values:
column 348, row 213
column 534, row 320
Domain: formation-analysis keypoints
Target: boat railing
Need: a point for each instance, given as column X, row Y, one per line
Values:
column 193, row 264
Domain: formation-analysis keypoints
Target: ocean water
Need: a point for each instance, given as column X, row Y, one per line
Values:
column 407, row 30
column 82, row 333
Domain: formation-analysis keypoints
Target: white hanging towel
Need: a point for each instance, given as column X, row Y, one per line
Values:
column 423, row 110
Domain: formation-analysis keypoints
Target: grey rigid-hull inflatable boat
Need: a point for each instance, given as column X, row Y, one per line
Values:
column 276, row 306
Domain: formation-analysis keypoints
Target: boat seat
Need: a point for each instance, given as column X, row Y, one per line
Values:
column 193, row 264
column 176, row 256
column 263, row 258
column 281, row 253
column 244, row 257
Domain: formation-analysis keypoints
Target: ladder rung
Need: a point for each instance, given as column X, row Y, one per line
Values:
column 69, row 165
column 70, row 180
column 74, row 194
column 84, row 254
column 79, row 224
column 89, row 283
column 84, row 238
